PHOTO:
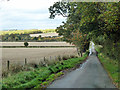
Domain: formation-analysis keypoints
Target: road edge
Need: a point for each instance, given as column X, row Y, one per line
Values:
column 66, row 71
column 107, row 72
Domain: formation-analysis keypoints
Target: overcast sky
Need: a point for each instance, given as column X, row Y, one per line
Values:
column 27, row 14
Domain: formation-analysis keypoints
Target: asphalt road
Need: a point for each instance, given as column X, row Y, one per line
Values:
column 90, row 75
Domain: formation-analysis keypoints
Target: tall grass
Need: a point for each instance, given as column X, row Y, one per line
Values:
column 110, row 65
column 40, row 76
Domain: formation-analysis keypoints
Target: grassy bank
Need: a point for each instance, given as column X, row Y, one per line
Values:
column 40, row 77
column 110, row 65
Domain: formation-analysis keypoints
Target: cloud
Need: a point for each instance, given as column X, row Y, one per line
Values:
column 27, row 14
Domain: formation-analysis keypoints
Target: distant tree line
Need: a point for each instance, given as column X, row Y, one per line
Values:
column 26, row 37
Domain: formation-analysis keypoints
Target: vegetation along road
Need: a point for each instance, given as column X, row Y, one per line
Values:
column 90, row 75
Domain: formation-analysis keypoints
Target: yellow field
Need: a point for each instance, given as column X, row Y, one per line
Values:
column 25, row 31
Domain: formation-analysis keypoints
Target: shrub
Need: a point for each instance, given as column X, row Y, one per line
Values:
column 34, row 65
column 26, row 44
column 16, row 68
column 4, row 73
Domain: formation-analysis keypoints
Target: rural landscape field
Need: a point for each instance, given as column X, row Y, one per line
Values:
column 63, row 44
column 33, row 55
column 36, row 44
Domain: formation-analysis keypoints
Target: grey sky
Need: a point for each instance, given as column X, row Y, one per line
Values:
column 27, row 14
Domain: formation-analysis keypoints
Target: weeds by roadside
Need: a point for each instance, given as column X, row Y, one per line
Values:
column 110, row 65
column 31, row 66
column 41, row 76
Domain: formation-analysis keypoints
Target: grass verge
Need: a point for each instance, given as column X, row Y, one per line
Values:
column 41, row 76
column 111, row 66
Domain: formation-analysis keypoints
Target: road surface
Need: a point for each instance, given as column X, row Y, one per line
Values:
column 90, row 75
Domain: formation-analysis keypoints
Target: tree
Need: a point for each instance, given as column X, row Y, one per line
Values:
column 59, row 8
column 26, row 44
column 99, row 20
column 81, row 41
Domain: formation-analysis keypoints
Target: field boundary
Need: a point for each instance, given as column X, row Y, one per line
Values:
column 36, row 46
column 47, row 78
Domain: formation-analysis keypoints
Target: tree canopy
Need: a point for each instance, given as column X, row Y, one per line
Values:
column 100, row 21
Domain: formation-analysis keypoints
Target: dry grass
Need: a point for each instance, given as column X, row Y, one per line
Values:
column 33, row 55
column 32, row 65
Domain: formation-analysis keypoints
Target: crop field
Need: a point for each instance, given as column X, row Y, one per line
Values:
column 44, row 34
column 36, row 44
column 26, row 31
column 33, row 55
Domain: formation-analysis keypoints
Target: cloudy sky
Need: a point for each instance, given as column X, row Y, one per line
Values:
column 27, row 14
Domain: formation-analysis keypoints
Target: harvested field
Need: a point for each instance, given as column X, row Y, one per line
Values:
column 44, row 35
column 36, row 44
column 33, row 55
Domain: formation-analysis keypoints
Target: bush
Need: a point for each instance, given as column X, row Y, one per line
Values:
column 26, row 44
column 4, row 73
column 34, row 65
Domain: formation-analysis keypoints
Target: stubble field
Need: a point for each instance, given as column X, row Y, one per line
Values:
column 33, row 55
column 36, row 44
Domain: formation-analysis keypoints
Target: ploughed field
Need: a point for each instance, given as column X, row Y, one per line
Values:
column 36, row 44
column 33, row 55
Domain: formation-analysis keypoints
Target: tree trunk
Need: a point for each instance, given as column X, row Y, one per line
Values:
column 78, row 51
column 81, row 53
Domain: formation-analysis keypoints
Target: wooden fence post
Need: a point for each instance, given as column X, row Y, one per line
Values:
column 44, row 59
column 55, row 58
column 40, row 62
column 50, row 57
column 8, row 64
column 25, row 61
column 59, row 58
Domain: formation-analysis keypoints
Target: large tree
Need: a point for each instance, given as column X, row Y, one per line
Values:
column 99, row 20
